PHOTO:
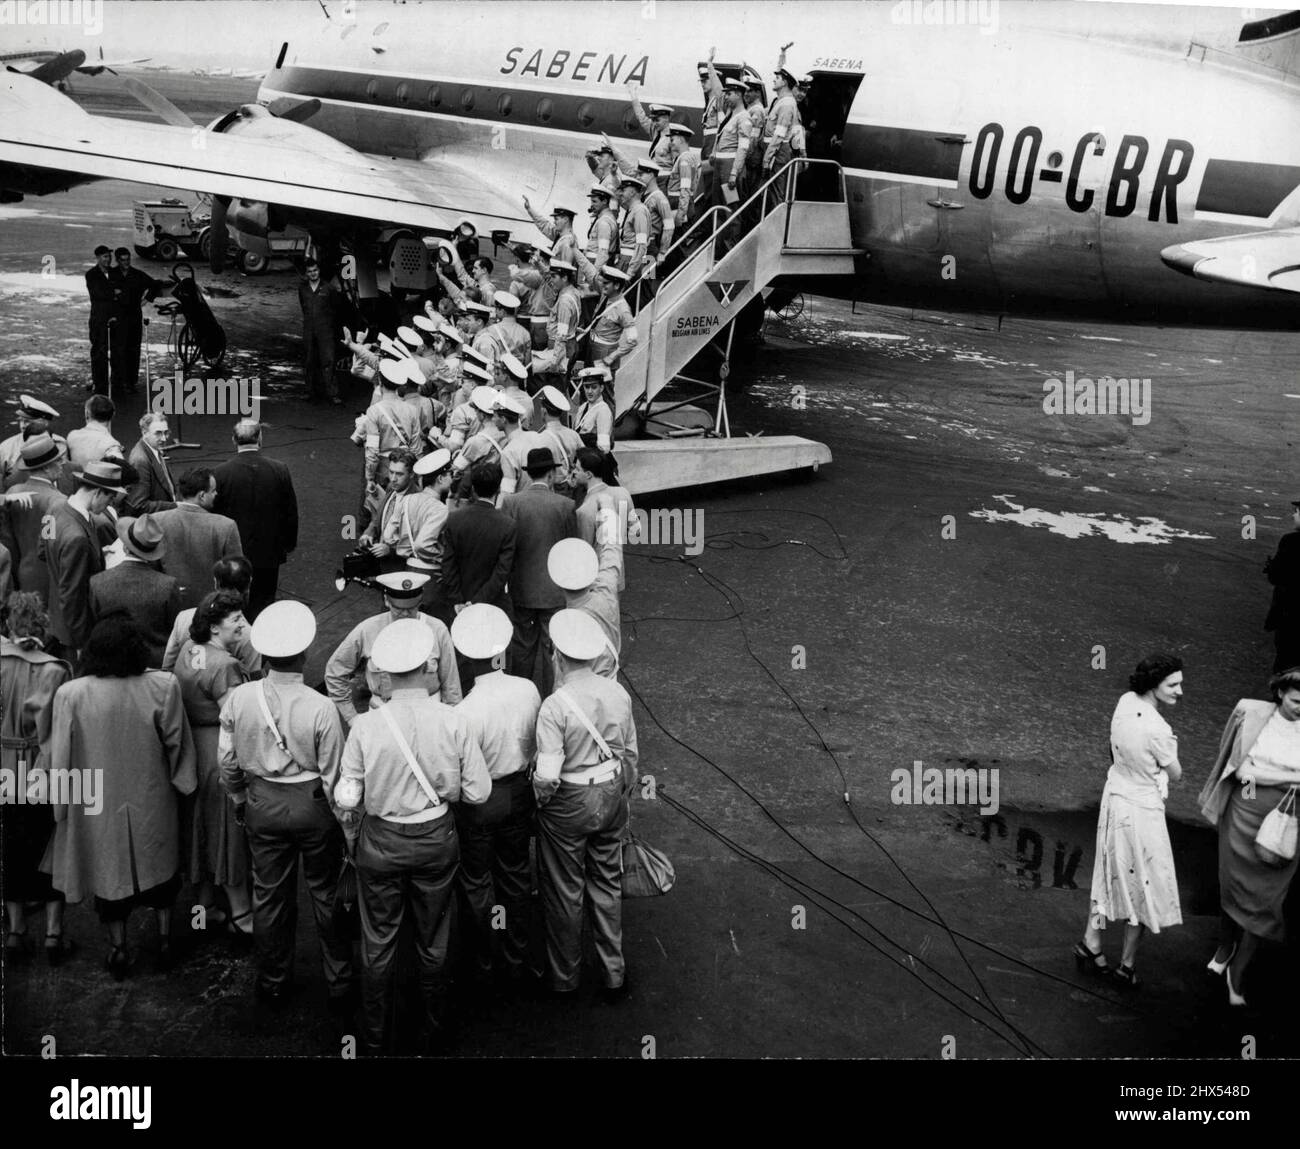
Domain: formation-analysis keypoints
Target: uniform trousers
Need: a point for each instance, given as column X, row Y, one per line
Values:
column 495, row 871
column 285, row 822
column 261, row 591
column 126, row 355
column 99, row 338
column 578, row 850
column 532, row 634
column 401, row 869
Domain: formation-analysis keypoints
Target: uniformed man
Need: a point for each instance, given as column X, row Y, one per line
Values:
column 483, row 446
column 711, row 86
column 654, row 121
column 511, row 376
column 387, row 426
column 351, row 659
column 510, row 336
column 663, row 221
column 34, row 418
column 731, row 156
column 105, row 292
column 594, row 419
column 448, row 378
column 516, row 442
column 280, row 746
column 604, row 167
column 404, row 764
column 474, row 327
column 634, row 235
column 135, row 287
column 468, row 417
column 589, row 579
column 434, row 473
column 586, row 767
column 613, row 334
column 563, row 322
column 682, row 184
column 531, row 282
column 563, row 440
column 602, row 236
column 495, row 872
column 559, row 230
column 779, row 128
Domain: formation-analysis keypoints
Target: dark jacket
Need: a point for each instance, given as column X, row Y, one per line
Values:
column 151, row 598
column 105, row 291
column 478, row 550
column 195, row 540
column 20, row 531
column 136, row 286
column 153, row 489
column 542, row 518
column 72, row 555
column 257, row 492
column 1284, row 573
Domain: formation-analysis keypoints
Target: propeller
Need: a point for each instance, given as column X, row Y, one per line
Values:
column 157, row 103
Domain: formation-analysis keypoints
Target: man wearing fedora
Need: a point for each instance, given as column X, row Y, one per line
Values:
column 541, row 518
column 151, row 598
column 72, row 551
column 40, row 465
column 34, row 418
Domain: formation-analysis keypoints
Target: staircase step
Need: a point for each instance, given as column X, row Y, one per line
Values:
column 828, row 251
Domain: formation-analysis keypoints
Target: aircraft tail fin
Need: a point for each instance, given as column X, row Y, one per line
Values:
column 1272, row 43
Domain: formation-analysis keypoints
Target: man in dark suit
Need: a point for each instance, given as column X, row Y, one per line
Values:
column 153, row 489
column 478, row 546
column 195, row 536
column 151, row 598
column 72, row 552
column 1283, row 571
column 135, row 287
column 105, row 315
column 542, row 518
column 40, row 466
column 257, row 492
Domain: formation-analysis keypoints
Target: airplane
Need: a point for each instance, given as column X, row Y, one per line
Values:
column 1103, row 161
column 52, row 67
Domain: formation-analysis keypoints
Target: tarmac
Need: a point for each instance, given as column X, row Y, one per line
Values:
column 968, row 584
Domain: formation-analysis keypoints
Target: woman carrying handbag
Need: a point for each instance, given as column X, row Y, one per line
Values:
column 1255, row 774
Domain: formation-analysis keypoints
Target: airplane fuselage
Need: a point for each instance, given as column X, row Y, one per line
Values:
column 1028, row 168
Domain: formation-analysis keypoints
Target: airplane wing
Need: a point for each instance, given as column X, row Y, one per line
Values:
column 1265, row 259
column 97, row 66
column 254, row 157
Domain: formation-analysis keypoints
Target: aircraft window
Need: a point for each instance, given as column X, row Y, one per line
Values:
column 586, row 115
column 380, row 29
column 435, row 95
column 504, row 104
column 545, row 109
column 631, row 124
column 1054, row 160
column 403, row 93
column 467, row 99
column 372, row 90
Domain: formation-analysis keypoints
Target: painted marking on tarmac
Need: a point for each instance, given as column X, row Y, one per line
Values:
column 733, row 943
column 1076, row 525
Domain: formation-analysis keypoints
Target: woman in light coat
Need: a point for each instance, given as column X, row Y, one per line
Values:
column 1258, row 764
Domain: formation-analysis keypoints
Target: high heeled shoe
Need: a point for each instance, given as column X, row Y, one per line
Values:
column 1217, row 967
column 1127, row 977
column 1089, row 961
column 1234, row 998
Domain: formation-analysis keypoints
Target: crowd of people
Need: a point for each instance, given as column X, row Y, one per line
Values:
column 144, row 645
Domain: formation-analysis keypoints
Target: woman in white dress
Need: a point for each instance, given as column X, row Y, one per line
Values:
column 1133, row 877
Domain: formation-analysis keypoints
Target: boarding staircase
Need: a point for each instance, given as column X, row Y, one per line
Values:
column 720, row 264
